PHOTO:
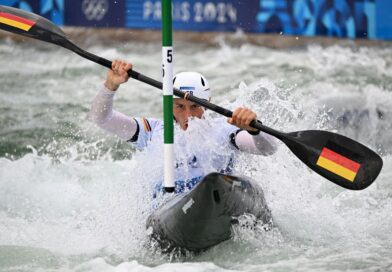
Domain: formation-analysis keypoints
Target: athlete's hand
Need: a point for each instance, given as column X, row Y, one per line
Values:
column 118, row 74
column 242, row 117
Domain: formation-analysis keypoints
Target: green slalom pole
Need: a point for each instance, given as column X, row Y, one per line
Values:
column 307, row 145
column 167, row 63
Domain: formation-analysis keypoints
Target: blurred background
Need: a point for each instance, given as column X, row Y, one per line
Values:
column 354, row 19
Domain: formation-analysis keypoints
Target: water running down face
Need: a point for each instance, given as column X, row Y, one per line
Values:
column 184, row 109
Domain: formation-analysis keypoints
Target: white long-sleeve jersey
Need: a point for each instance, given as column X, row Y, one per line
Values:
column 142, row 131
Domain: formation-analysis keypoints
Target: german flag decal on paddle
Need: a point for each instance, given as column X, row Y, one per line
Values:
column 339, row 161
column 16, row 21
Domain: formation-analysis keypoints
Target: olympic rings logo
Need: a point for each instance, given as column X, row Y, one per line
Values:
column 95, row 9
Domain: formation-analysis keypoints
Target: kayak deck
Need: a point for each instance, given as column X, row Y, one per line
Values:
column 202, row 217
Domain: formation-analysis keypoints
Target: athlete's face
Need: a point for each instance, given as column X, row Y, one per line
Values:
column 185, row 109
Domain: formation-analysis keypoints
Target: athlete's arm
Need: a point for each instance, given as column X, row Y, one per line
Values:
column 102, row 112
column 117, row 75
column 249, row 139
column 261, row 144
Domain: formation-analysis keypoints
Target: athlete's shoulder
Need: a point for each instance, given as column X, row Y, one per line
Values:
column 148, row 125
column 147, row 129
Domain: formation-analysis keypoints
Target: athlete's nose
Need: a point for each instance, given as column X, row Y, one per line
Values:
column 188, row 112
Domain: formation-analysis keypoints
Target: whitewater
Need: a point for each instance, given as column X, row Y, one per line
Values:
column 74, row 198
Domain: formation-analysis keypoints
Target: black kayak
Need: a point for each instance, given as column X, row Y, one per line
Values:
column 202, row 217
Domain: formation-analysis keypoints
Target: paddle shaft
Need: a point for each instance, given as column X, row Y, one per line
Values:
column 306, row 145
column 46, row 31
column 157, row 84
column 352, row 166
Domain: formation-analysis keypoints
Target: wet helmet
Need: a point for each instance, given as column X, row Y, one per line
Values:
column 194, row 83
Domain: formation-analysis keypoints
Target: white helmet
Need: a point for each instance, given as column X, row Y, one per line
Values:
column 194, row 83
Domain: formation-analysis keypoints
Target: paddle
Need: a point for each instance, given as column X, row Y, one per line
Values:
column 341, row 160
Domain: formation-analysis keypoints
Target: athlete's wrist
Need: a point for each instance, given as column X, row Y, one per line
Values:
column 111, row 86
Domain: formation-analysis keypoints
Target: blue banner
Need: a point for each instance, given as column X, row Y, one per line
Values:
column 384, row 19
column 338, row 18
column 369, row 19
column 51, row 9
column 223, row 15
column 344, row 18
column 95, row 13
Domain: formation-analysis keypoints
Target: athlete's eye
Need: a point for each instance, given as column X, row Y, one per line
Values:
column 195, row 107
column 179, row 106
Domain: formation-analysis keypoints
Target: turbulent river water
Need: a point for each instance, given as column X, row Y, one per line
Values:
column 73, row 198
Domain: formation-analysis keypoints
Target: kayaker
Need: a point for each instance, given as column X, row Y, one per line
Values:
column 236, row 134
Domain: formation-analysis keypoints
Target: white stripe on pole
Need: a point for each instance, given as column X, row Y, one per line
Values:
column 169, row 166
column 167, row 61
column 167, row 88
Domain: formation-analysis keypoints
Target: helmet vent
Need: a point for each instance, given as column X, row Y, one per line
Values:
column 202, row 82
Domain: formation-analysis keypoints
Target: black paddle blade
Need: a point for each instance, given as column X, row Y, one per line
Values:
column 31, row 25
column 34, row 26
column 335, row 157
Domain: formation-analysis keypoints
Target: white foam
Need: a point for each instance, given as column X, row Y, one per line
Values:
column 72, row 198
